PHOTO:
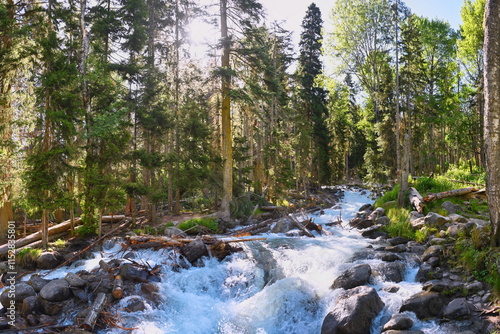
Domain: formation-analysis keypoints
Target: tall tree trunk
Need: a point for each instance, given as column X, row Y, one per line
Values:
column 6, row 77
column 227, row 141
column 492, row 113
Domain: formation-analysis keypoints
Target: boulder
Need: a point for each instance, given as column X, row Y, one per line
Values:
column 74, row 280
column 133, row 273
column 30, row 305
column 435, row 219
column 398, row 241
column 354, row 312
column 399, row 322
column 55, row 308
column 194, row 251
column 134, row 304
column 432, row 251
column 392, row 271
column 283, row 225
column 353, row 277
column 21, row 292
column 395, row 331
column 37, row 282
column 457, row 309
column 49, row 260
column 450, row 207
column 388, row 257
column 414, row 215
column 425, row 272
column 424, row 304
column 456, row 218
column 418, row 223
column 373, row 232
column 56, row 291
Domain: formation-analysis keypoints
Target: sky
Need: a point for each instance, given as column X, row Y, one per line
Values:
column 291, row 12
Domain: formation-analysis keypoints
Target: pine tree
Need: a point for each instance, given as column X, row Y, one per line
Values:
column 312, row 95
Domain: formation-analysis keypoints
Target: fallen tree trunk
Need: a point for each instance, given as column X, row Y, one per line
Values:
column 118, row 287
column 99, row 302
column 252, row 229
column 449, row 193
column 56, row 229
column 113, row 219
column 301, row 227
column 416, row 200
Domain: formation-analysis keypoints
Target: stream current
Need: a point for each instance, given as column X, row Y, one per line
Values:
column 274, row 286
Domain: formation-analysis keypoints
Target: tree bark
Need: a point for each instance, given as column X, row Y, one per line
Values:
column 227, row 141
column 416, row 200
column 492, row 113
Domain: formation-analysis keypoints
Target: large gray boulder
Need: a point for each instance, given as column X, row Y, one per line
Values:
column 21, row 292
column 49, row 260
column 432, row 251
column 354, row 312
column 194, row 251
column 74, row 280
column 392, row 271
column 56, row 291
column 424, row 304
column 435, row 219
column 353, row 277
column 457, row 309
column 451, row 207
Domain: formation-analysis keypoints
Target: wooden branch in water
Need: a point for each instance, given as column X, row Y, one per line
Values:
column 301, row 227
column 416, row 200
column 449, row 193
column 118, row 287
column 99, row 302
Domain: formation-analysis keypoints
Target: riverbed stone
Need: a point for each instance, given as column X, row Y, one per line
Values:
column 435, row 219
column 353, row 277
column 194, row 251
column 398, row 241
column 21, row 291
column 354, row 312
column 37, row 282
column 395, row 331
column 30, row 305
column 134, row 304
column 399, row 322
column 451, row 207
column 418, row 223
column 283, row 225
column 388, row 257
column 49, row 260
column 457, row 309
column 174, row 232
column 133, row 273
column 392, row 271
column 55, row 291
column 432, row 251
column 424, row 304
column 74, row 280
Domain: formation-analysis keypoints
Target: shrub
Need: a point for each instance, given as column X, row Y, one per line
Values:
column 26, row 257
column 399, row 224
column 199, row 225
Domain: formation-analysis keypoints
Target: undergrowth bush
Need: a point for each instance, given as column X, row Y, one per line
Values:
column 197, row 225
column 26, row 257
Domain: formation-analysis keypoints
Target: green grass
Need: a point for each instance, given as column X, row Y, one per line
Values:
column 26, row 257
column 192, row 226
column 59, row 243
column 399, row 225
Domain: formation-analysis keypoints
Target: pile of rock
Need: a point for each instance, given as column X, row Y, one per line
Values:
column 448, row 296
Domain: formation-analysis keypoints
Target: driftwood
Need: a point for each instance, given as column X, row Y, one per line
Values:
column 99, row 302
column 301, row 227
column 56, row 229
column 449, row 193
column 118, row 287
column 416, row 200
column 312, row 226
column 252, row 229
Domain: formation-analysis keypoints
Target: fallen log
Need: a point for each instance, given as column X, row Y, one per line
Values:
column 252, row 229
column 301, row 227
column 449, row 193
column 113, row 219
column 56, row 229
column 416, row 200
column 90, row 320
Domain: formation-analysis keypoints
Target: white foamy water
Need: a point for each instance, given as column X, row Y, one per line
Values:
column 275, row 286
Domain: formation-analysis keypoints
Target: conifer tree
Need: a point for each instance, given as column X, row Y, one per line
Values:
column 312, row 95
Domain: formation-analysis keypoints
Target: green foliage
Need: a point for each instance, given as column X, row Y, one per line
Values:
column 388, row 196
column 468, row 172
column 26, row 257
column 399, row 224
column 59, row 243
column 199, row 225
column 424, row 233
column 87, row 230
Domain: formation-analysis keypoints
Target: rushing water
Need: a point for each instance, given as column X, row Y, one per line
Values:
column 278, row 285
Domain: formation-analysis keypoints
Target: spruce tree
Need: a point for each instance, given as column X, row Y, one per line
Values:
column 312, row 95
